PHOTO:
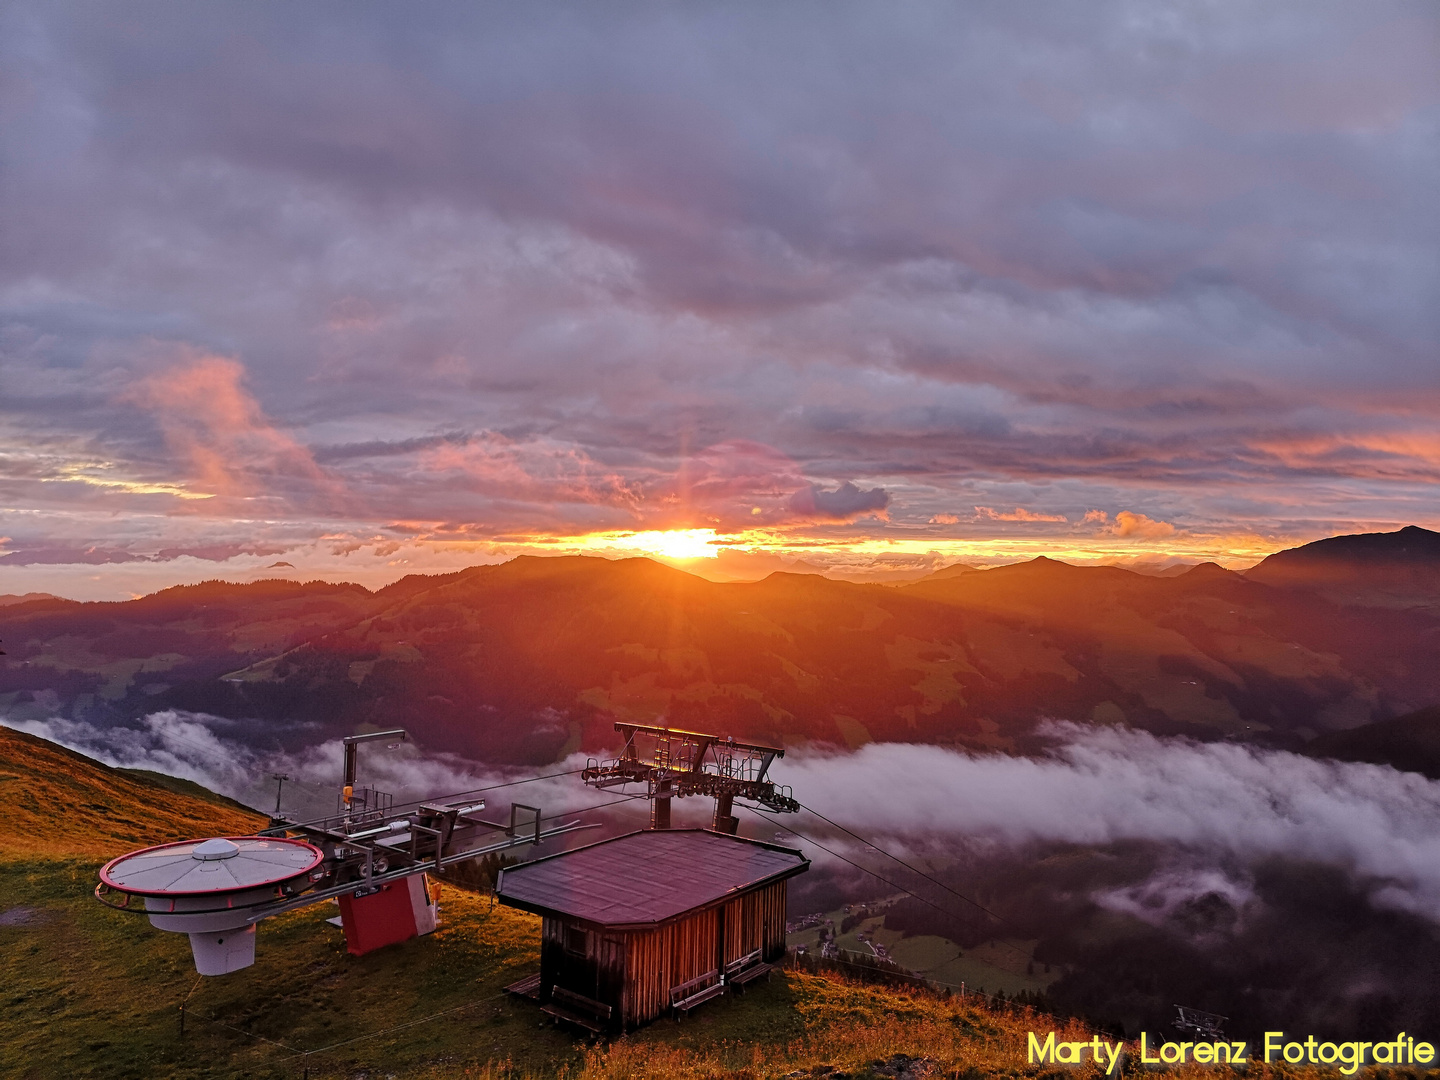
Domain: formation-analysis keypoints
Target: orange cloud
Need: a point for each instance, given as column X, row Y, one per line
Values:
column 945, row 519
column 536, row 470
column 1099, row 517
column 1139, row 526
column 1018, row 514
column 217, row 426
column 1413, row 455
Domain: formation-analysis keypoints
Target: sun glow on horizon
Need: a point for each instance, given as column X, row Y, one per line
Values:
column 857, row 552
column 668, row 543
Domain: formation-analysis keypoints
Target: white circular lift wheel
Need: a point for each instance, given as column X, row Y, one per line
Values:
column 210, row 888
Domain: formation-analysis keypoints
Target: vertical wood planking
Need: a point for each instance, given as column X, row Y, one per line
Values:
column 633, row 971
column 658, row 959
column 772, row 921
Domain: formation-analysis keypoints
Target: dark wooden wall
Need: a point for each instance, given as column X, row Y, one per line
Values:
column 598, row 972
column 633, row 971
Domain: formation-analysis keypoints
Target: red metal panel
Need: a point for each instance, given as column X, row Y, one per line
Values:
column 382, row 918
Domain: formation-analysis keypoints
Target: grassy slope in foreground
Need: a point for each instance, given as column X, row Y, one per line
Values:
column 90, row 992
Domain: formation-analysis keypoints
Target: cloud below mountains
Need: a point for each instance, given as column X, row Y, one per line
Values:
column 1216, row 806
column 1223, row 802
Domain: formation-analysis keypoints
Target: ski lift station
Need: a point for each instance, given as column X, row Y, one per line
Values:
column 633, row 927
column 653, row 921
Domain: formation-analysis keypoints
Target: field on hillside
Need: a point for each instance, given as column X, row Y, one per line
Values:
column 995, row 966
column 92, row 993
column 88, row 991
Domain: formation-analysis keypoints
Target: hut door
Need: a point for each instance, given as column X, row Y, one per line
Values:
column 573, row 951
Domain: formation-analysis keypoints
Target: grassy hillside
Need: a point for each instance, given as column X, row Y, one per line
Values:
column 90, row 992
column 59, row 803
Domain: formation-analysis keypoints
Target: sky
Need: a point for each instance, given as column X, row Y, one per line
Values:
column 350, row 291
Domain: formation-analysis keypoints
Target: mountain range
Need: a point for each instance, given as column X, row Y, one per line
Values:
column 534, row 658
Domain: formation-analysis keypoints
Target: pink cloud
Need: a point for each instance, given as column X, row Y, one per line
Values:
column 537, row 470
column 1139, row 527
column 216, row 426
column 1018, row 514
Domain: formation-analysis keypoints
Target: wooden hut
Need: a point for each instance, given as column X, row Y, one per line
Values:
column 652, row 921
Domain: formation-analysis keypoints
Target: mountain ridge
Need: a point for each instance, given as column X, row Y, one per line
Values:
column 527, row 660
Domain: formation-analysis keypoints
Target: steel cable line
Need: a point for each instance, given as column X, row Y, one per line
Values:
column 213, row 751
column 857, row 866
column 914, row 870
column 895, row 885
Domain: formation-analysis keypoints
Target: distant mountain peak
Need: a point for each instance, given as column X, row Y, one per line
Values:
column 1207, row 570
column 8, row 599
column 1399, row 568
column 1412, row 544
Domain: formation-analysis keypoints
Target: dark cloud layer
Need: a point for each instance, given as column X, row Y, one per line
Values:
column 506, row 270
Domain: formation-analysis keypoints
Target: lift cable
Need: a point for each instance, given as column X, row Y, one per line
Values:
column 862, row 869
column 913, row 869
column 896, row 885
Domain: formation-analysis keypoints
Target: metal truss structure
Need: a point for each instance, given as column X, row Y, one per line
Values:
column 674, row 764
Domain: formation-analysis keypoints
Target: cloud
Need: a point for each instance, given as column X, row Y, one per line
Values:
column 218, row 753
column 845, row 503
column 60, row 555
column 1128, row 524
column 1004, row 257
column 1104, row 786
column 537, row 469
column 1216, row 807
column 227, row 444
column 1018, row 514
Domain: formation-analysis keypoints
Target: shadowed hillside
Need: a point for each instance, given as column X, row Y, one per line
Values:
column 1399, row 569
column 1409, row 743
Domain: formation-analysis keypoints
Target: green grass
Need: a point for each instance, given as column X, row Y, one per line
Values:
column 994, row 966
column 88, row 992
column 92, row 992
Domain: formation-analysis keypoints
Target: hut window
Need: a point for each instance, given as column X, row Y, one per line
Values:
column 575, row 939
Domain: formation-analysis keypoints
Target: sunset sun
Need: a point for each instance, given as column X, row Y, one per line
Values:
column 673, row 543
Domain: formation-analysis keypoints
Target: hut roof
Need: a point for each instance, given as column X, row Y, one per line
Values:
column 646, row 878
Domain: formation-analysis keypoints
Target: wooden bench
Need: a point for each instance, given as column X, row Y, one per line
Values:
column 698, row 990
column 577, row 1009
column 745, row 970
column 528, row 987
